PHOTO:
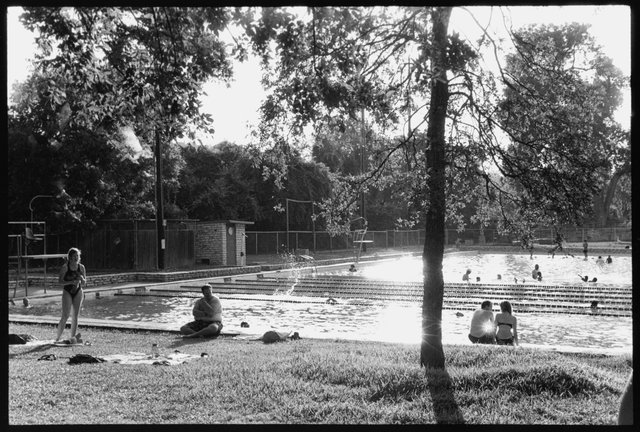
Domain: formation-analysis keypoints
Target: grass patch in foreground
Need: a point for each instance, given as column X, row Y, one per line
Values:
column 308, row 381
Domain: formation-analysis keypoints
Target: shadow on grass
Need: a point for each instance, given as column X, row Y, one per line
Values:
column 33, row 349
column 181, row 341
column 445, row 408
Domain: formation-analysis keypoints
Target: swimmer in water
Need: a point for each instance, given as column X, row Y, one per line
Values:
column 465, row 277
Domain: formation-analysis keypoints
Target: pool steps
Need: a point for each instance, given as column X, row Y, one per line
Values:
column 612, row 300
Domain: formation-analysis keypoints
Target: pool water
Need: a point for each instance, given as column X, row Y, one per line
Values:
column 561, row 269
column 392, row 321
column 352, row 319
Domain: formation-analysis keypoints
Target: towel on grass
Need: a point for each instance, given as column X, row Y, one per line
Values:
column 51, row 342
column 32, row 341
column 170, row 359
column 46, row 342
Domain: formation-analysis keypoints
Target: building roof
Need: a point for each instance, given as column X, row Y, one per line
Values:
column 229, row 221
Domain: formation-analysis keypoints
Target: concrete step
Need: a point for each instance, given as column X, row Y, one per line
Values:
column 538, row 306
column 418, row 288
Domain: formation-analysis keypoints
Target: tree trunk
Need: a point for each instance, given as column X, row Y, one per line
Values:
column 431, row 353
column 602, row 201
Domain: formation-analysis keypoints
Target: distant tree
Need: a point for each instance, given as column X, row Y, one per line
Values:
column 226, row 181
column 558, row 113
column 339, row 150
column 112, row 69
column 613, row 202
column 217, row 183
column 348, row 149
column 99, row 180
column 620, row 212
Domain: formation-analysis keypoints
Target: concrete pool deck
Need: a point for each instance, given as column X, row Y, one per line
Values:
column 87, row 323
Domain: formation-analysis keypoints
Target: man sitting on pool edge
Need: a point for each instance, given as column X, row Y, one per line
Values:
column 207, row 314
column 482, row 326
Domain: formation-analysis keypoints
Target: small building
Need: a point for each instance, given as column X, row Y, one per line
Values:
column 221, row 242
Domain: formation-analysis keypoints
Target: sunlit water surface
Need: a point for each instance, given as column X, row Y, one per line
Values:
column 561, row 269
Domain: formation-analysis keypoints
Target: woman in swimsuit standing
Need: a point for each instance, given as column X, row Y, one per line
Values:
column 72, row 277
column 506, row 326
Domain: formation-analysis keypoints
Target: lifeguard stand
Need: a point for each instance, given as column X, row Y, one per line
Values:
column 26, row 241
column 358, row 238
column 30, row 237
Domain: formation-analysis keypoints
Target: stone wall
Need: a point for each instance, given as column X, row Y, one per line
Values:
column 123, row 278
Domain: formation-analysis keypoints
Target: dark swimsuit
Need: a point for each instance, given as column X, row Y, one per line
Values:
column 69, row 276
column 508, row 341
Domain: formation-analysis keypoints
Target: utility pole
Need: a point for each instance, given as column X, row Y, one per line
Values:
column 160, row 222
column 363, row 211
column 409, row 99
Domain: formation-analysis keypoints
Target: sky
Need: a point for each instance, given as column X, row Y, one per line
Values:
column 234, row 108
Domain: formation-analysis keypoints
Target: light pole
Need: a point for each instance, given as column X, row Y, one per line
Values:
column 160, row 220
column 62, row 194
column 363, row 213
column 33, row 199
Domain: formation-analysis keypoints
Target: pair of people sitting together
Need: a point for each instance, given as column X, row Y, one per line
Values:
column 487, row 330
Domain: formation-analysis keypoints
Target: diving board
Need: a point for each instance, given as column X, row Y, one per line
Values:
column 44, row 258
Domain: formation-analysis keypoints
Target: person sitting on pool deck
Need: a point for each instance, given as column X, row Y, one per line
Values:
column 506, row 326
column 482, row 327
column 207, row 313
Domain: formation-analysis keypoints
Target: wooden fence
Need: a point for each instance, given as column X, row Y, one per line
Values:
column 127, row 249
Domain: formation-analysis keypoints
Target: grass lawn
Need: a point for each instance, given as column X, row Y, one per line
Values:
column 307, row 381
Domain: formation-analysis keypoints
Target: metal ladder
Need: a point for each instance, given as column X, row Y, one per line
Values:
column 359, row 238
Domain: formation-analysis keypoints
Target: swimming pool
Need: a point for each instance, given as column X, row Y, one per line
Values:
column 389, row 321
column 351, row 319
column 561, row 269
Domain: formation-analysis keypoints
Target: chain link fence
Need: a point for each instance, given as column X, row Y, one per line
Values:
column 273, row 242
